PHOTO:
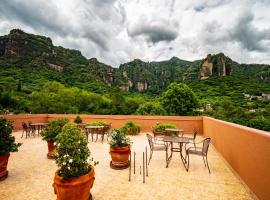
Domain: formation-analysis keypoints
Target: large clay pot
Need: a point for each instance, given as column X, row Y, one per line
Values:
column 120, row 157
column 3, row 166
column 51, row 148
column 77, row 188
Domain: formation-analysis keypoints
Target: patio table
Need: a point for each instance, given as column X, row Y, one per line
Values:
column 37, row 126
column 173, row 131
column 169, row 141
column 94, row 130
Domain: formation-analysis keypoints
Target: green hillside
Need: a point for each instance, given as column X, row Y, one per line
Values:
column 38, row 77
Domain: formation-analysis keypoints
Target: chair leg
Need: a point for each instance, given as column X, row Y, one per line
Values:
column 187, row 168
column 22, row 134
column 204, row 161
column 151, row 153
column 194, row 144
column 208, row 165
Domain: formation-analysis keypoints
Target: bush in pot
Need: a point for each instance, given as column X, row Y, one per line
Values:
column 119, row 149
column 159, row 129
column 78, row 120
column 75, row 176
column 7, row 145
column 98, row 123
column 50, row 132
column 131, row 128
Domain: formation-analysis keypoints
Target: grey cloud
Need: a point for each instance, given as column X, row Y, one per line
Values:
column 155, row 33
column 248, row 36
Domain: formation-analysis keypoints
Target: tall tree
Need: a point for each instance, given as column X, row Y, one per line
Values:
column 179, row 99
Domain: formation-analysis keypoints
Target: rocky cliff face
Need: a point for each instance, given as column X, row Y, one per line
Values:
column 218, row 64
column 25, row 50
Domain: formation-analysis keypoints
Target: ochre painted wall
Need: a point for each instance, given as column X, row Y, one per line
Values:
column 247, row 150
column 145, row 122
column 18, row 119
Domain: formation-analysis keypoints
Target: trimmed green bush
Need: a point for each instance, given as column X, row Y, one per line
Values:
column 72, row 154
column 54, row 127
column 7, row 141
column 78, row 120
column 98, row 123
column 117, row 138
column 130, row 128
column 162, row 127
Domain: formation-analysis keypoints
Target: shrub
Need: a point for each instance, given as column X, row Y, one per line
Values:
column 130, row 128
column 78, row 120
column 98, row 123
column 117, row 138
column 54, row 127
column 162, row 127
column 7, row 141
column 72, row 154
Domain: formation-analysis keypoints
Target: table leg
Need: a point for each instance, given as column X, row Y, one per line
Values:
column 168, row 146
column 181, row 155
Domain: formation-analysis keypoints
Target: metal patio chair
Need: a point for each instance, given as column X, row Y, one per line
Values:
column 200, row 151
column 153, row 146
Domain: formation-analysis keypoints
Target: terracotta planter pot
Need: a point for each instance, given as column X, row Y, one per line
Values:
column 75, row 188
column 120, row 157
column 51, row 148
column 3, row 166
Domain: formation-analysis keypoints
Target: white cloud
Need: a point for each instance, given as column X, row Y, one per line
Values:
column 117, row 31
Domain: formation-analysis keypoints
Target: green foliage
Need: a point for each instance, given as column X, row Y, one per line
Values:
column 54, row 127
column 130, row 128
column 72, row 153
column 117, row 138
column 161, row 127
column 98, row 123
column 7, row 141
column 78, row 120
column 151, row 108
column 179, row 99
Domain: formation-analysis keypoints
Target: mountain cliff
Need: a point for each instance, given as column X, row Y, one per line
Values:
column 28, row 58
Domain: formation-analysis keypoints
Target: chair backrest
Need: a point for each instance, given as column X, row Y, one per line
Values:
column 206, row 143
column 150, row 140
column 24, row 125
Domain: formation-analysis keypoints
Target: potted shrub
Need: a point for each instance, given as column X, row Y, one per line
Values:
column 78, row 120
column 119, row 149
column 159, row 129
column 130, row 128
column 75, row 176
column 98, row 123
column 7, row 145
column 50, row 132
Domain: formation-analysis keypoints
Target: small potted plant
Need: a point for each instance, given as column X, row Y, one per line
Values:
column 50, row 132
column 78, row 120
column 98, row 123
column 7, row 145
column 75, row 176
column 119, row 149
column 159, row 129
column 131, row 128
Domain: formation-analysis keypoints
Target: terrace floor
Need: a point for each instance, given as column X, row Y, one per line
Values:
column 31, row 176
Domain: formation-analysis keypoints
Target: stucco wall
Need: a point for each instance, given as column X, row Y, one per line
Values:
column 247, row 150
column 145, row 122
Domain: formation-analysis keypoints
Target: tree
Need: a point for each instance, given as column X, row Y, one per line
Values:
column 151, row 108
column 179, row 99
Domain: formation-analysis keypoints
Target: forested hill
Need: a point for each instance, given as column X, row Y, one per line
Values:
column 33, row 60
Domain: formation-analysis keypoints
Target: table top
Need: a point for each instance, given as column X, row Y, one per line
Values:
column 175, row 139
column 94, row 127
column 174, row 129
column 38, row 124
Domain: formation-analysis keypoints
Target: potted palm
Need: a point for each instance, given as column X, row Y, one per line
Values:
column 50, row 132
column 75, row 176
column 7, row 145
column 119, row 149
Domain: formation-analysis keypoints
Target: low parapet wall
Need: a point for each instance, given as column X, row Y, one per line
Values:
column 247, row 150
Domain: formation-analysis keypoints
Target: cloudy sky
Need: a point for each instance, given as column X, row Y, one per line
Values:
column 117, row 31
